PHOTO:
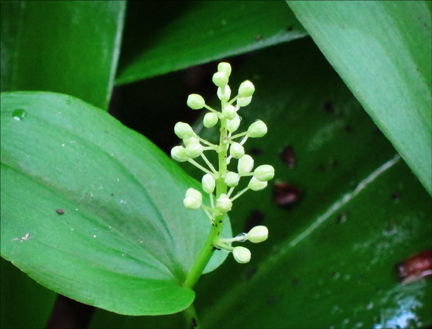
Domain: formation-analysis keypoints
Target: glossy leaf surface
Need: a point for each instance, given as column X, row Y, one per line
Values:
column 382, row 50
column 196, row 32
column 70, row 47
column 352, row 211
column 355, row 211
column 93, row 210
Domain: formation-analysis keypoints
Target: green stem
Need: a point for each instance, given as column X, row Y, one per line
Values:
column 216, row 229
column 191, row 317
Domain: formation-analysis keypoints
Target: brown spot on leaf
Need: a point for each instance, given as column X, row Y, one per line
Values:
column 415, row 267
column 341, row 217
column 395, row 196
column 285, row 195
column 328, row 107
column 60, row 211
column 287, row 155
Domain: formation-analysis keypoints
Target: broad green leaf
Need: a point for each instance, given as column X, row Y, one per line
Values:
column 382, row 50
column 93, row 210
column 70, row 47
column 329, row 260
column 24, row 303
column 161, row 37
column 330, row 257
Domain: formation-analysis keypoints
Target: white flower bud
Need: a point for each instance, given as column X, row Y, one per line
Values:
column 264, row 173
column 237, row 150
column 220, row 79
column 246, row 89
column 244, row 101
column 223, row 203
column 210, row 120
column 245, row 164
column 256, row 185
column 257, row 129
column 195, row 102
column 227, row 93
column 183, row 130
column 194, row 150
column 229, row 111
column 193, row 139
column 232, row 179
column 208, row 183
column 178, row 153
column 225, row 68
column 242, row 255
column 193, row 199
column 232, row 125
column 258, row 234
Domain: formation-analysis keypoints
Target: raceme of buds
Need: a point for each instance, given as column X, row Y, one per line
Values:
column 245, row 164
column 193, row 199
column 183, row 130
column 222, row 182
column 257, row 234
column 223, row 203
column 264, row 173
column 242, row 255
column 257, row 129
column 208, row 183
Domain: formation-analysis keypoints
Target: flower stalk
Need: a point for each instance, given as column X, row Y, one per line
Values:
column 218, row 181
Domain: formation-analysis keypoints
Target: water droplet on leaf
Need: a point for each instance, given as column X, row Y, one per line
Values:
column 19, row 114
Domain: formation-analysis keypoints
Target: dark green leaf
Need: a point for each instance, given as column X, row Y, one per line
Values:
column 382, row 50
column 330, row 257
column 329, row 260
column 164, row 36
column 93, row 210
column 24, row 303
column 70, row 47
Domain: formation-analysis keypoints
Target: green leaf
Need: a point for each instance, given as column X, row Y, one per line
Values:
column 70, row 47
column 330, row 256
column 93, row 210
column 382, row 51
column 24, row 303
column 192, row 33
column 359, row 211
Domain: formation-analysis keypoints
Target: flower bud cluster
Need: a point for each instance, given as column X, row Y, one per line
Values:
column 220, row 184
